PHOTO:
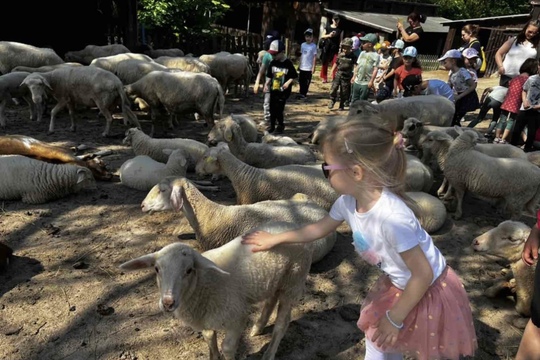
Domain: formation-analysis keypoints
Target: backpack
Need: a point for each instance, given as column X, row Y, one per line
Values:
column 483, row 67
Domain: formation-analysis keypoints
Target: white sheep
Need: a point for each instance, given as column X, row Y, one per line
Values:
column 84, row 85
column 36, row 182
column 277, row 140
column 264, row 155
column 180, row 92
column 516, row 181
column 91, row 52
column 110, row 63
column 14, row 54
column 247, row 124
column 45, row 68
column 419, row 177
column 129, row 71
column 157, row 53
column 229, row 68
column 217, row 289
column 183, row 63
column 10, row 87
column 430, row 211
column 214, row 224
column 507, row 241
column 142, row 144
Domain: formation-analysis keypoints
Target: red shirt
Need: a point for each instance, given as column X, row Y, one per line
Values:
column 401, row 73
column 512, row 101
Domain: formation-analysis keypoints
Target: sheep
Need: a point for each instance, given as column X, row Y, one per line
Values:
column 217, row 289
column 6, row 254
column 430, row 211
column 157, row 53
column 324, row 127
column 277, row 140
column 84, row 85
column 264, row 155
column 514, row 180
column 36, row 182
column 430, row 109
column 228, row 68
column 14, row 54
column 247, row 124
column 507, row 241
column 10, row 87
column 45, row 68
column 30, row 147
column 183, row 63
column 180, row 92
column 214, row 223
column 143, row 144
column 91, row 52
column 419, row 177
column 129, row 71
column 110, row 63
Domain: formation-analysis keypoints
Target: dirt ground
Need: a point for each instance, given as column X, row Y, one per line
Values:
column 63, row 296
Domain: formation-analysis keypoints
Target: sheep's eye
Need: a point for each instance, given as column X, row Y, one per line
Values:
column 157, row 270
column 189, row 271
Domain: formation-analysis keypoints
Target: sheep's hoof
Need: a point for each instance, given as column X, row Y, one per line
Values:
column 72, row 129
column 50, row 132
column 255, row 331
column 456, row 216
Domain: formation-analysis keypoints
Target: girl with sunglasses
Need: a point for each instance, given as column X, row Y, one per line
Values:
column 418, row 307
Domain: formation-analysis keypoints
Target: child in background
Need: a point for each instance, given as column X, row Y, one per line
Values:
column 342, row 81
column 462, row 82
column 470, row 58
column 413, row 85
column 418, row 306
column 280, row 76
column 384, row 62
column 513, row 100
column 264, row 63
column 386, row 91
column 492, row 98
column 308, row 60
column 365, row 69
column 411, row 66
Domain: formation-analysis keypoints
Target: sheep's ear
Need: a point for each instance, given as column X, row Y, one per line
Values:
column 46, row 83
column 142, row 262
column 176, row 198
column 167, row 152
column 458, row 129
column 82, row 175
column 228, row 135
column 203, row 263
column 439, row 137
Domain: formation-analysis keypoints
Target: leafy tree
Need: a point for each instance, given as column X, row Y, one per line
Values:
column 171, row 20
column 468, row 9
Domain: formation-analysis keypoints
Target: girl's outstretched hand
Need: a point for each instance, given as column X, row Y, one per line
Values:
column 261, row 239
column 386, row 334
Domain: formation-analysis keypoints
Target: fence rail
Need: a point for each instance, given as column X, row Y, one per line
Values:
column 429, row 62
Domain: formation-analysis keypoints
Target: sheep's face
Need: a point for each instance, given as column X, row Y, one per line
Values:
column 37, row 86
column 158, row 198
column 507, row 238
column 85, row 180
column 411, row 127
column 129, row 136
column 433, row 141
column 467, row 138
column 216, row 134
column 208, row 164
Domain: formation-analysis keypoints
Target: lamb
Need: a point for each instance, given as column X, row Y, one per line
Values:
column 247, row 124
column 45, row 68
column 507, row 241
column 225, row 284
column 516, row 181
column 37, row 182
column 419, row 177
column 277, row 140
column 143, row 144
column 6, row 254
column 84, row 85
column 110, row 63
column 214, row 223
column 130, row 71
column 157, row 53
column 30, row 147
column 264, row 155
column 10, row 87
column 254, row 185
column 180, row 92
column 229, row 68
column 14, row 54
column 91, row 52
column 183, row 63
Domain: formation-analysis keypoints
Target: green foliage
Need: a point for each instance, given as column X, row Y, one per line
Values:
column 469, row 9
column 181, row 17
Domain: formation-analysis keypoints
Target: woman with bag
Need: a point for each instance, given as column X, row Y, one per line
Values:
column 469, row 34
column 330, row 41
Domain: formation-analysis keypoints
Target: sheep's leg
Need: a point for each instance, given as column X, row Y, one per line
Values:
column 108, row 121
column 267, row 310
column 495, row 289
column 459, row 196
column 441, row 190
column 2, row 117
column 211, row 340
column 172, row 115
column 230, row 342
column 61, row 104
column 71, row 110
column 280, row 327
column 31, row 107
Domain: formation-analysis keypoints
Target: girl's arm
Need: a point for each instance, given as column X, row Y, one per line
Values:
column 524, row 99
column 499, row 55
column 418, row 284
column 389, row 74
column 260, row 75
column 265, row 241
column 472, row 87
column 530, row 250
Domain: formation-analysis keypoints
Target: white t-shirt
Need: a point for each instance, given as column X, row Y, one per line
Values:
column 386, row 230
column 515, row 57
column 498, row 93
column 439, row 87
column 309, row 51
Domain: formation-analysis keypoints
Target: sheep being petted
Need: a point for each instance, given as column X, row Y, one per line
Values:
column 217, row 289
column 14, row 54
column 36, row 182
column 84, row 85
column 91, row 52
column 183, row 63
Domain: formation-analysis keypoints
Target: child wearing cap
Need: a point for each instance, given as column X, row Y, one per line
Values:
column 265, row 62
column 411, row 66
column 308, row 60
column 365, row 69
column 462, row 82
column 280, row 76
column 384, row 62
column 413, row 85
column 385, row 92
column 470, row 57
column 342, row 81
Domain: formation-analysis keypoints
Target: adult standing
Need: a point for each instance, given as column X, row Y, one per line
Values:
column 516, row 50
column 414, row 31
column 331, row 39
column 469, row 35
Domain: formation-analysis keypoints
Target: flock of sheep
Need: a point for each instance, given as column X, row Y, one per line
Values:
column 278, row 183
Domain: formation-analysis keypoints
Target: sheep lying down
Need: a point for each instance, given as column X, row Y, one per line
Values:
column 215, row 290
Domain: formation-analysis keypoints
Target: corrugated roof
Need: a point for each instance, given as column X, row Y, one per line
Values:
column 387, row 22
column 524, row 16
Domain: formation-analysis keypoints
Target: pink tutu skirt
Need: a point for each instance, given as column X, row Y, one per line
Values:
column 439, row 327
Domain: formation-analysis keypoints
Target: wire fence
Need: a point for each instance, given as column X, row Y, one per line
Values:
column 429, row 62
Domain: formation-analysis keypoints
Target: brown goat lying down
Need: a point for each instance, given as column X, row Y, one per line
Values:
column 27, row 146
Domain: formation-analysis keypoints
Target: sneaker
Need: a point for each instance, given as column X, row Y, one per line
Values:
column 346, row 104
column 341, row 108
column 497, row 140
column 279, row 129
column 300, row 97
column 502, row 141
column 331, row 104
column 270, row 129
